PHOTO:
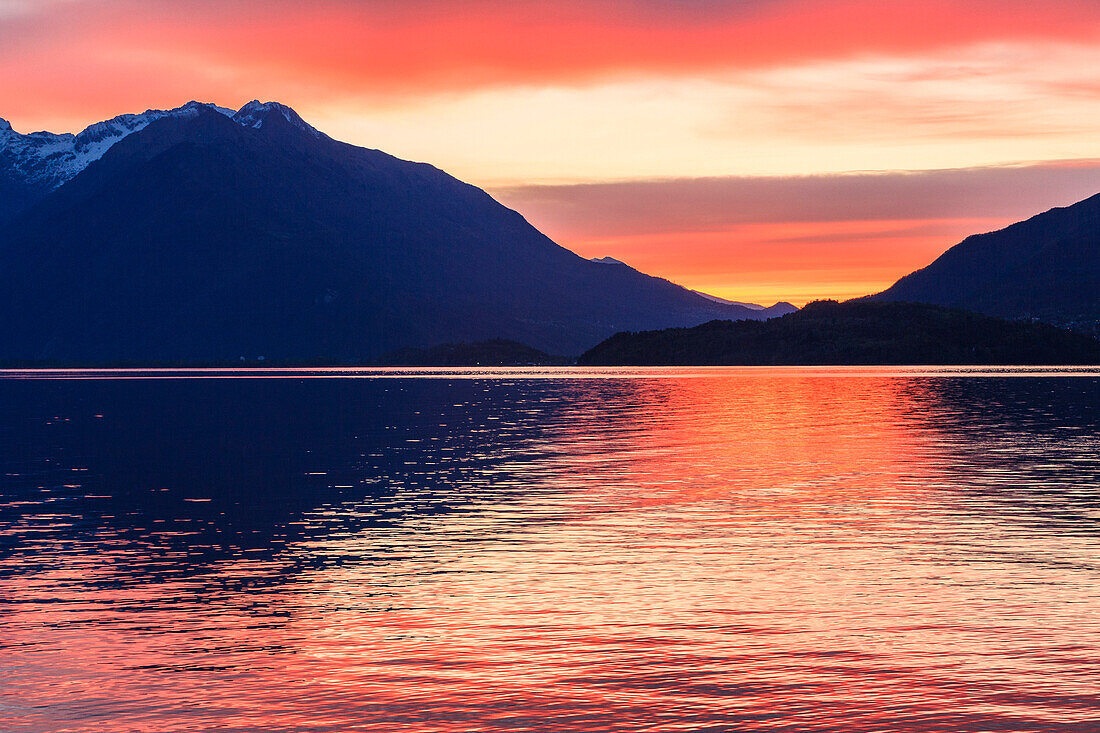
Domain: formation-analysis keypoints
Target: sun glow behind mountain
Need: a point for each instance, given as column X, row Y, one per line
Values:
column 566, row 110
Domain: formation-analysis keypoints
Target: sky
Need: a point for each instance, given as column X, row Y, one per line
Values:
column 758, row 150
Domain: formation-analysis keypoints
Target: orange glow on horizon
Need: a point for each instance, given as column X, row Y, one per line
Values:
column 793, row 261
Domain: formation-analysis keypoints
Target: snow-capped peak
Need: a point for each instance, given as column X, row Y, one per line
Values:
column 255, row 113
column 45, row 158
column 48, row 159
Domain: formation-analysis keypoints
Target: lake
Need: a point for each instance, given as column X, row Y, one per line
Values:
column 730, row 549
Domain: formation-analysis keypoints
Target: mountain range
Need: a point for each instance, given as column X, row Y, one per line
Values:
column 1046, row 269
column 201, row 233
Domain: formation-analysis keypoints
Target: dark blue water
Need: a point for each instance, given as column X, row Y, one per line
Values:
column 731, row 549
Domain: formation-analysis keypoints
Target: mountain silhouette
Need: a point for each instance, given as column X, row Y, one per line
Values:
column 855, row 332
column 1046, row 268
column 203, row 234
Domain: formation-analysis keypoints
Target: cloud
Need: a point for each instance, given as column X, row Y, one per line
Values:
column 11, row 8
column 708, row 204
column 795, row 238
column 957, row 107
column 330, row 49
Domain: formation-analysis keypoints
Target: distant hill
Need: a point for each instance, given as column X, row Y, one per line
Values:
column 498, row 352
column 781, row 308
column 1046, row 268
column 856, row 332
column 204, row 234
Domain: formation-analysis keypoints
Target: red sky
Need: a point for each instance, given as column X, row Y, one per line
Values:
column 705, row 141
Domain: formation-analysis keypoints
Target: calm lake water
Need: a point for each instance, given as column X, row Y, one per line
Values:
column 564, row 550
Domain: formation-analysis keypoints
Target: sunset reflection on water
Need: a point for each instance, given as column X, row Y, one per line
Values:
column 741, row 550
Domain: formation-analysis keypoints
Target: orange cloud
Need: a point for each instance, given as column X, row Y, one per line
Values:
column 65, row 58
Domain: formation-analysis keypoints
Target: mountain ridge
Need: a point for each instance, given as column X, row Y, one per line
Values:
column 63, row 155
column 1044, row 268
column 202, row 236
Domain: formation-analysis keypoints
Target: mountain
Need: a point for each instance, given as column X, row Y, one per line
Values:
column 1046, row 268
column 781, row 308
column 33, row 165
column 204, row 235
column 856, row 332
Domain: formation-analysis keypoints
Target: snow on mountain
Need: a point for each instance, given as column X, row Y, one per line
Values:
column 49, row 159
column 255, row 113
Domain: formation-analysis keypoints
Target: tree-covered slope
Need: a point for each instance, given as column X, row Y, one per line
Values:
column 856, row 332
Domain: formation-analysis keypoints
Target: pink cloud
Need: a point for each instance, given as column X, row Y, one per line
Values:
column 68, row 58
column 1000, row 193
column 795, row 238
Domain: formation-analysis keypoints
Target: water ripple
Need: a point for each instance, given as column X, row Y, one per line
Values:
column 676, row 550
